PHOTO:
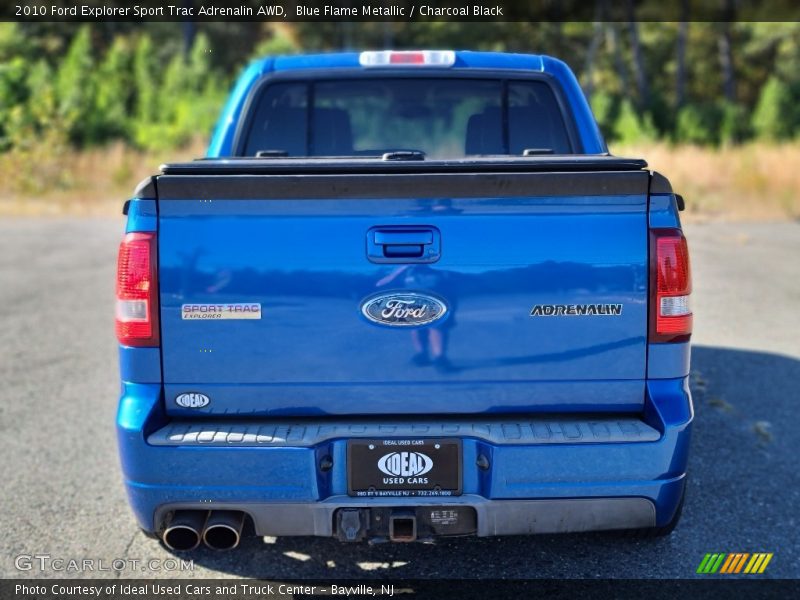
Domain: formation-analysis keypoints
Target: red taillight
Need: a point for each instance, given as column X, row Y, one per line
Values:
column 407, row 58
column 137, row 289
column 671, row 287
column 400, row 58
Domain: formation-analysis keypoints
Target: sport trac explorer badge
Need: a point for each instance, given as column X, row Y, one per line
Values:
column 237, row 310
column 403, row 309
column 576, row 310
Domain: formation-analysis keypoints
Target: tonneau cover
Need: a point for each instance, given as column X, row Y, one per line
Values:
column 347, row 165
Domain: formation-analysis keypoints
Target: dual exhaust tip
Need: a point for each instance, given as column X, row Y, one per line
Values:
column 217, row 529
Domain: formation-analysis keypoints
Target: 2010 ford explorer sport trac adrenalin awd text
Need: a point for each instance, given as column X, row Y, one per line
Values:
column 406, row 294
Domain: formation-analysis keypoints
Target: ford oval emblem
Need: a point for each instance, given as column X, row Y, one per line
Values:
column 192, row 400
column 403, row 309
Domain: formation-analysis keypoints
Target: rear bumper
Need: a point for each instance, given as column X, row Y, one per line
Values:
column 584, row 474
column 494, row 517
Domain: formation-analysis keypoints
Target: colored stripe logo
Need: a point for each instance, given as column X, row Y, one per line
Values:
column 735, row 562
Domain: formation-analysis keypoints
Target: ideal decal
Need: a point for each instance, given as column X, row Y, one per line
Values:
column 192, row 400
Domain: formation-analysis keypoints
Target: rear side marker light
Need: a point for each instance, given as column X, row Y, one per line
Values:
column 137, row 289
column 415, row 58
column 671, row 286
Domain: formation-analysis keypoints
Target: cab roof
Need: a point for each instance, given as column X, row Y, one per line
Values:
column 464, row 59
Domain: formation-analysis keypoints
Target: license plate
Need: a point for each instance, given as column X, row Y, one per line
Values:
column 412, row 467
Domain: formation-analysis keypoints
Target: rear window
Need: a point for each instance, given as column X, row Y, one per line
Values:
column 444, row 118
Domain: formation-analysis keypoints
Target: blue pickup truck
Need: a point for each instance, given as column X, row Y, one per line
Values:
column 405, row 295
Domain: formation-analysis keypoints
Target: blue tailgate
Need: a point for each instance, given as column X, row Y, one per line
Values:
column 306, row 263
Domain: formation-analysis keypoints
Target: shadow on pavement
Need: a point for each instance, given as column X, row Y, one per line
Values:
column 741, row 491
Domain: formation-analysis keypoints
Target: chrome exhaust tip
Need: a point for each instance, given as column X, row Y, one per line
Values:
column 223, row 530
column 184, row 529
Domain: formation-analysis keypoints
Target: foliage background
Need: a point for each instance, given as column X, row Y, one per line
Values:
column 125, row 93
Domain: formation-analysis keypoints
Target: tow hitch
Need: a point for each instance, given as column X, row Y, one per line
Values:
column 403, row 527
column 403, row 524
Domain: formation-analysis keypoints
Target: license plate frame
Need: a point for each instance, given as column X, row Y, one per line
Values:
column 365, row 478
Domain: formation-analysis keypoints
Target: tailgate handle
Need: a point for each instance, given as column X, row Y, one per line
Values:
column 403, row 244
column 403, row 238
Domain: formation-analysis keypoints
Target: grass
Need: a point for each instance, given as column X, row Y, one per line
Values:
column 42, row 181
column 751, row 182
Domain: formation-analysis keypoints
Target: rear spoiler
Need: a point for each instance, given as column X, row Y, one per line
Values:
column 359, row 165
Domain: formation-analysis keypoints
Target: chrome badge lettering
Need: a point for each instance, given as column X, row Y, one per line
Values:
column 403, row 309
column 238, row 310
column 575, row 310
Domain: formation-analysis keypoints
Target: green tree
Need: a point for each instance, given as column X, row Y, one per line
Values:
column 199, row 70
column 44, row 103
column 13, row 93
column 605, row 108
column 75, row 87
column 189, row 100
column 277, row 43
column 113, row 93
column 773, row 118
column 698, row 123
column 734, row 126
column 37, row 120
column 632, row 128
column 146, row 85
column 12, row 41
column 175, row 87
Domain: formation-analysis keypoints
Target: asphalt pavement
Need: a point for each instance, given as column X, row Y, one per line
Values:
column 62, row 497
